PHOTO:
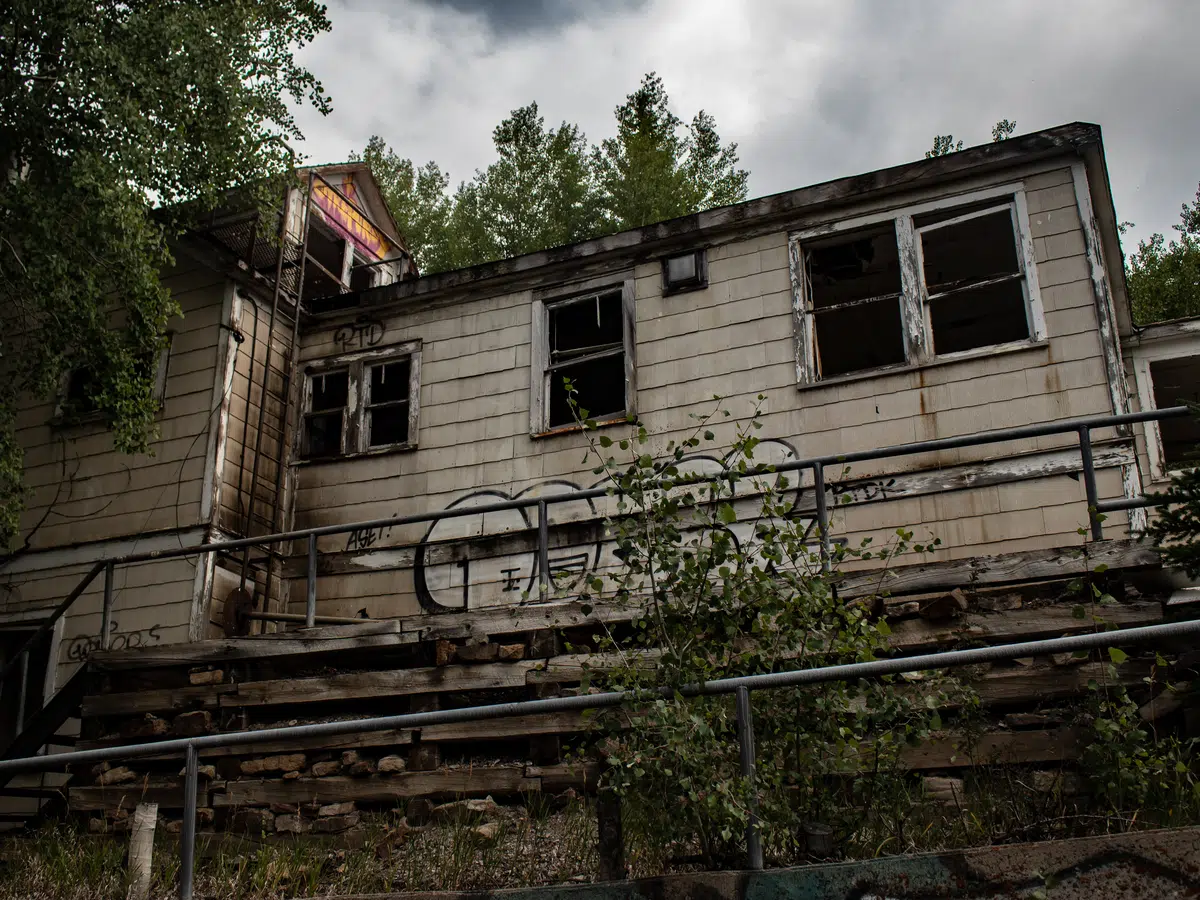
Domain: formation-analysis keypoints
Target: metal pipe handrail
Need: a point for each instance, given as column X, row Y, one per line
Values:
column 740, row 686
column 1081, row 426
column 1064, row 426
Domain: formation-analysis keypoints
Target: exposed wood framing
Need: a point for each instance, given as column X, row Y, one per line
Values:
column 908, row 635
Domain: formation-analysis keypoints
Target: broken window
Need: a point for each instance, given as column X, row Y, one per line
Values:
column 80, row 388
column 973, row 279
column 362, row 402
column 915, row 287
column 585, row 340
column 325, row 421
column 1176, row 383
column 323, row 269
column 854, row 295
column 387, row 403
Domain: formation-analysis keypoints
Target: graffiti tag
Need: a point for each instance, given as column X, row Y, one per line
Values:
column 81, row 647
column 362, row 333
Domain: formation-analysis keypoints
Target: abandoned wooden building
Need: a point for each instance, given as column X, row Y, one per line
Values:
column 321, row 382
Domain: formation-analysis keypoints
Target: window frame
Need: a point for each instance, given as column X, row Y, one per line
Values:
column 540, row 364
column 915, row 311
column 698, row 283
column 355, row 433
column 63, row 417
column 1145, row 354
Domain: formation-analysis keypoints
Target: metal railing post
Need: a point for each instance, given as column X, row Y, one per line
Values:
column 187, row 835
column 822, row 515
column 106, row 611
column 310, row 602
column 1089, row 482
column 543, row 550
column 745, row 728
column 23, row 686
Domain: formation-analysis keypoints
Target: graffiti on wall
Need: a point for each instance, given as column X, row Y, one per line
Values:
column 449, row 576
column 360, row 334
column 79, row 648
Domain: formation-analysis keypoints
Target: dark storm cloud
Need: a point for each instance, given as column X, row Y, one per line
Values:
column 810, row 89
column 512, row 17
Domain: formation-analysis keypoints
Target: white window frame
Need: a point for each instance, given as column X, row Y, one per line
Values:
column 914, row 302
column 540, row 366
column 355, row 435
column 1143, row 356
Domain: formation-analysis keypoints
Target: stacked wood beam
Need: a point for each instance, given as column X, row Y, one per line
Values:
column 320, row 784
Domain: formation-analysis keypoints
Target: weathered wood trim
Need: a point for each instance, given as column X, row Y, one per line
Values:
column 914, row 304
column 838, row 226
column 539, row 360
column 1028, row 256
column 1010, row 568
column 802, row 329
column 629, row 338
column 85, row 554
column 1106, row 316
column 222, row 396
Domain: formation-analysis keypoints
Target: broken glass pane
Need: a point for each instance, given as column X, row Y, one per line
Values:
column 585, row 326
column 330, row 390
column 388, row 425
column 323, row 434
column 600, row 384
column 979, row 249
column 854, row 268
column 389, row 381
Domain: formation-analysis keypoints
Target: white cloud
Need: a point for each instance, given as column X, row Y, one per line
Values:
column 811, row 90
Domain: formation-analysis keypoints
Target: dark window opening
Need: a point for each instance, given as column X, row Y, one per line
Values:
column 11, row 642
column 684, row 272
column 1176, row 383
column 328, row 252
column 587, row 345
column 82, row 388
column 361, row 276
column 329, row 394
column 855, row 289
column 975, row 284
column 388, row 403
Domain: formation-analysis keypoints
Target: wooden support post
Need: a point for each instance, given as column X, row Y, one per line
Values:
column 141, row 850
column 423, row 756
column 611, row 841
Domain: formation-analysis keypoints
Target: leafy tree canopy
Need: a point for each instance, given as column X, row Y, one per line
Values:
column 111, row 110
column 1164, row 276
column 548, row 187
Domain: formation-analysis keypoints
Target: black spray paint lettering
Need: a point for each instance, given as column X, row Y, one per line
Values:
column 359, row 335
column 366, row 538
column 443, row 586
column 80, row 648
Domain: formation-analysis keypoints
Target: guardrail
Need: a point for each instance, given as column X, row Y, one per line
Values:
column 191, row 748
column 1081, row 426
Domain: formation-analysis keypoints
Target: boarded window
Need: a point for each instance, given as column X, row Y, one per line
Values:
column 1176, row 383
column 387, row 403
column 325, row 421
column 587, row 346
column 854, row 294
column 974, row 279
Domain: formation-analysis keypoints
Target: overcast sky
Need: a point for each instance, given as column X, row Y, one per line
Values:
column 810, row 89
